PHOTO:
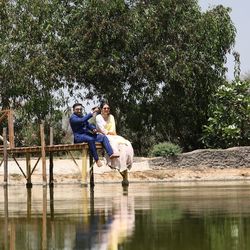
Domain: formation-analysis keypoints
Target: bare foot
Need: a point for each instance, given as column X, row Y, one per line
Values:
column 99, row 163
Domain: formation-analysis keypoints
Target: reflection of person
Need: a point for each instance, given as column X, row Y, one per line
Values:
column 110, row 224
column 105, row 124
column 122, row 225
column 86, row 132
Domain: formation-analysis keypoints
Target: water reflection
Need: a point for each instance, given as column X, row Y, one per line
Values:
column 111, row 222
column 71, row 220
column 6, row 216
column 146, row 216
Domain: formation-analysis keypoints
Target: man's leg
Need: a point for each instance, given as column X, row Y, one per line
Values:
column 92, row 147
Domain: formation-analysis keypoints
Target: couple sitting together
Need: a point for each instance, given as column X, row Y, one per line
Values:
column 119, row 150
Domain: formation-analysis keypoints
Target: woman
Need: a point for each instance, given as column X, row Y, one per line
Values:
column 105, row 124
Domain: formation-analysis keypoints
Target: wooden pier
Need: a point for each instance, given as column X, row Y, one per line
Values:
column 9, row 150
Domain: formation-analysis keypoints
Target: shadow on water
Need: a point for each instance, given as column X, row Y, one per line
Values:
column 143, row 216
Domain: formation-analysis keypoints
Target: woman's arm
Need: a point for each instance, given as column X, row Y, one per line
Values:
column 100, row 123
column 112, row 127
column 106, row 127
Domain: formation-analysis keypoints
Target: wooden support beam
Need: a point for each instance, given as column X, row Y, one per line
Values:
column 11, row 128
column 72, row 157
column 43, row 153
column 14, row 158
column 33, row 169
column 84, row 167
column 29, row 202
column 91, row 171
column 5, row 156
column 51, row 164
column 52, row 210
column 28, row 171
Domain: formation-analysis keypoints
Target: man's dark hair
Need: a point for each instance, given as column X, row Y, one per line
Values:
column 77, row 104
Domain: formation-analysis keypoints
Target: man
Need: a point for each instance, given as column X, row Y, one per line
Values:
column 86, row 132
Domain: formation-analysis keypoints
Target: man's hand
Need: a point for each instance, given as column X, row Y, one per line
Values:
column 95, row 109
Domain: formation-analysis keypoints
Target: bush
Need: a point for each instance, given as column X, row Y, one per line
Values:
column 165, row 149
column 228, row 124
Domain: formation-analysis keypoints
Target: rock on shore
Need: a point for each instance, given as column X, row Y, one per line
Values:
column 237, row 157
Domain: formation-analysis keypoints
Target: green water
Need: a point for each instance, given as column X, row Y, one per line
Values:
column 176, row 216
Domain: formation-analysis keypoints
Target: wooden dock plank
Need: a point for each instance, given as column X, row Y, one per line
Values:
column 50, row 148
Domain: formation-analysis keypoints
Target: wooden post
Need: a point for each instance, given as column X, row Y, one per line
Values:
column 51, row 165
column 85, row 207
column 12, row 239
column 91, row 171
column 84, row 167
column 43, row 154
column 5, row 156
column 92, row 206
column 11, row 128
column 44, row 220
column 6, row 218
column 51, row 195
column 28, row 171
column 29, row 203
column 52, row 222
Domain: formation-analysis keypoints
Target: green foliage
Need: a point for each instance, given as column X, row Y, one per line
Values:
column 165, row 149
column 27, row 128
column 29, row 136
column 29, row 54
column 229, row 121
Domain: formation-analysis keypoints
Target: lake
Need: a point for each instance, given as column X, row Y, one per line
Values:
column 172, row 216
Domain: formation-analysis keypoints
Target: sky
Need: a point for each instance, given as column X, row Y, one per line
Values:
column 240, row 16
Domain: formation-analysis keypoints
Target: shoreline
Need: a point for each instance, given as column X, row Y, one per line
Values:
column 144, row 170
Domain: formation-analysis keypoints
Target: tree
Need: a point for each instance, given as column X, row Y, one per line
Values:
column 157, row 62
column 29, row 64
column 194, row 71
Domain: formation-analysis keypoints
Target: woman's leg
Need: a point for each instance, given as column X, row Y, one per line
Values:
column 114, row 143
